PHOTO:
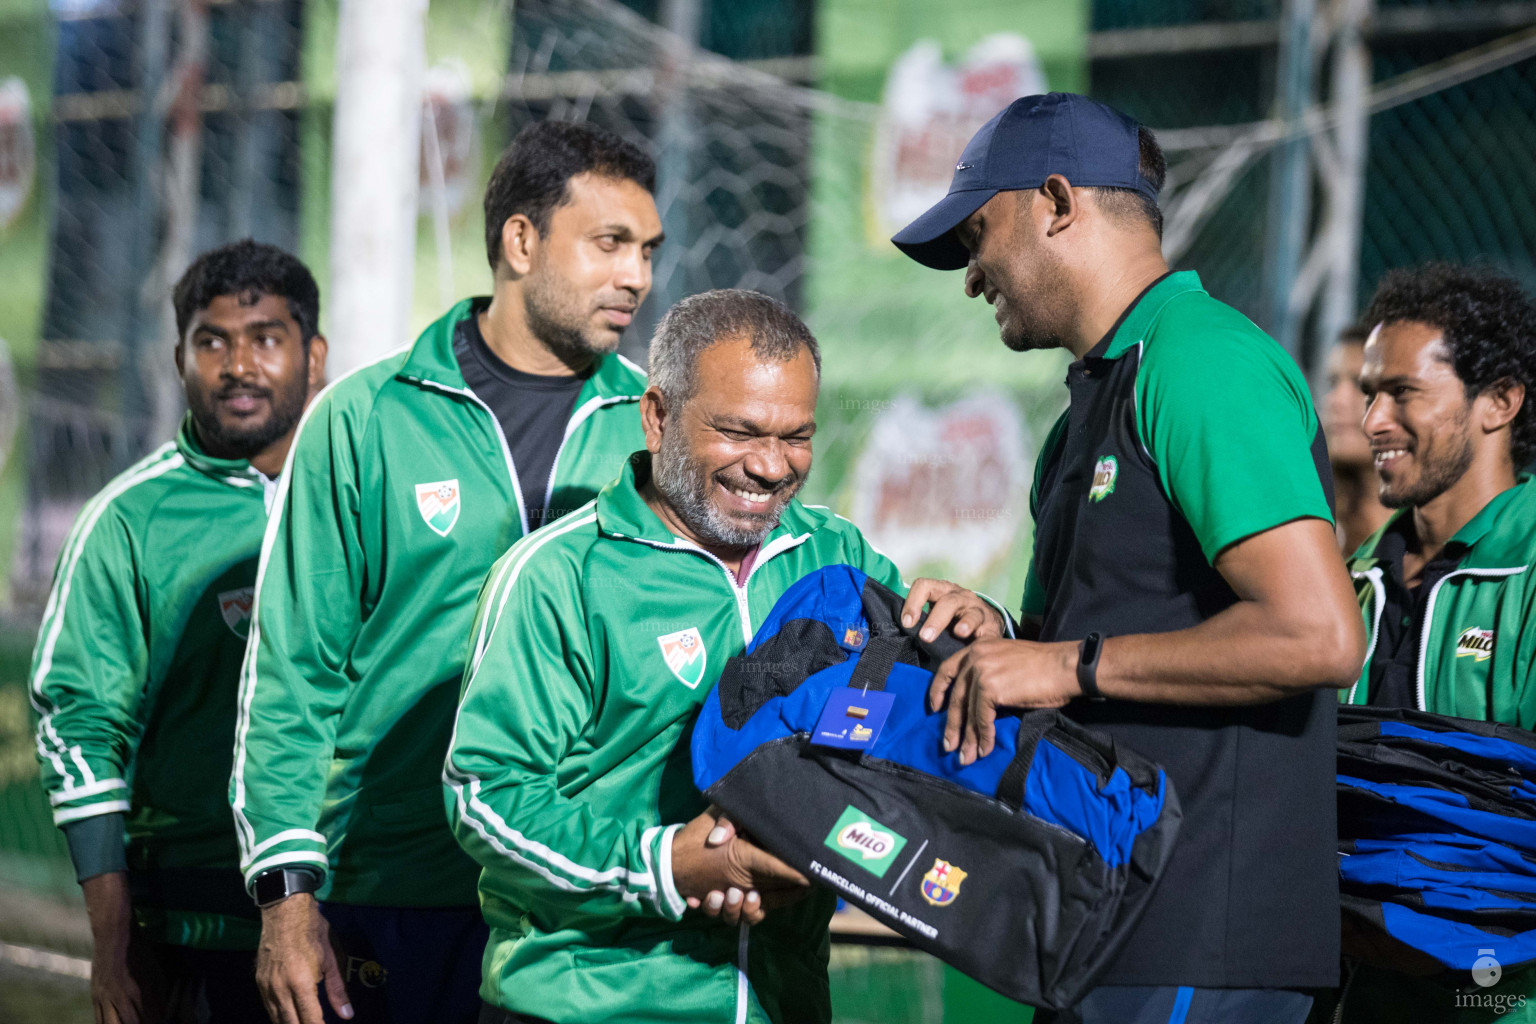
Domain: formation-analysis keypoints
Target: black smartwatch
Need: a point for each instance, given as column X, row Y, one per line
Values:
column 1088, row 665
column 278, row 884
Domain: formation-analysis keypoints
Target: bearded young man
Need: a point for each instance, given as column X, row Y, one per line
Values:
column 596, row 642
column 408, row 479
column 1446, row 586
column 138, row 659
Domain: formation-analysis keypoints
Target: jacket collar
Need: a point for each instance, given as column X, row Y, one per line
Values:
column 1138, row 319
column 431, row 361
column 623, row 514
column 235, row 472
column 1494, row 540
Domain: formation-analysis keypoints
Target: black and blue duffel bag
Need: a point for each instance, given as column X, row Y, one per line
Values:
column 1026, row 869
column 1437, row 834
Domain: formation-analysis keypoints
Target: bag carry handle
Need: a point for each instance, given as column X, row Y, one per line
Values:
column 1010, row 788
column 879, row 656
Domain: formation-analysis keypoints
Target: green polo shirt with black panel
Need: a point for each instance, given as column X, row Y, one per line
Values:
column 1189, row 430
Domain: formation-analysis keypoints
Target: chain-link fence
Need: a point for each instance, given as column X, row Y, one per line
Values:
column 134, row 188
column 1451, row 129
column 174, row 127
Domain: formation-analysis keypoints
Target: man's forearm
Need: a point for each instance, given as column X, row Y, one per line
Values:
column 109, row 909
column 1243, row 655
column 1294, row 627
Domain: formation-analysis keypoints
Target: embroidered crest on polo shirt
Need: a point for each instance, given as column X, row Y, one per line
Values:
column 1104, row 473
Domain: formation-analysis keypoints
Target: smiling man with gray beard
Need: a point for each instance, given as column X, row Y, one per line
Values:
column 612, row 891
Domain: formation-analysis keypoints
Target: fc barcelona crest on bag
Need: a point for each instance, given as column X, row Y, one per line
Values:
column 942, row 883
column 439, row 505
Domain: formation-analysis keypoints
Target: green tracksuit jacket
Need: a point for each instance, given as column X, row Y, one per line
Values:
column 399, row 494
column 136, row 669
column 1478, row 645
column 596, row 641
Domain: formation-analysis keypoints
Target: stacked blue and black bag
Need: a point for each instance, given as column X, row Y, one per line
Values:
column 1437, row 833
column 1026, row 869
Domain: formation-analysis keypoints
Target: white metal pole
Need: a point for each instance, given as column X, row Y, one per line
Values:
column 1290, row 189
column 675, row 144
column 375, row 169
column 1351, row 86
column 182, row 185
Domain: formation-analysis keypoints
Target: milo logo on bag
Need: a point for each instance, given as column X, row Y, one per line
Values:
column 865, row 841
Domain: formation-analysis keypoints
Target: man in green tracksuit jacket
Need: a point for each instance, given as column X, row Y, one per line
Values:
column 408, row 478
column 138, row 658
column 596, row 642
column 1446, row 586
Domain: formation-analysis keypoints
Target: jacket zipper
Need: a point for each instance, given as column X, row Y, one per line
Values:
column 1379, row 603
column 739, row 592
column 501, row 435
column 1429, row 615
column 579, row 417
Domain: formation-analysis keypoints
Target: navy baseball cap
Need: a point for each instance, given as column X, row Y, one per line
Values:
column 1033, row 138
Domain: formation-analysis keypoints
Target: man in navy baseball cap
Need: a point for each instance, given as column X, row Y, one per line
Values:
column 1084, row 141
column 1184, row 594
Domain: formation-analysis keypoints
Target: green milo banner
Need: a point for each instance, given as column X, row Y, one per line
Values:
column 929, row 426
column 26, row 74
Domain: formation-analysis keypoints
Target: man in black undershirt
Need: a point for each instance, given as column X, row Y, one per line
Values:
column 507, row 413
column 533, row 409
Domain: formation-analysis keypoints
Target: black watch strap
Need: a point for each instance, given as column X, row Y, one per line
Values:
column 280, row 883
column 1088, row 665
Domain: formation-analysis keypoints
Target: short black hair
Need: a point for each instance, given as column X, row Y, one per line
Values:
column 1150, row 162
column 531, row 176
column 1489, row 326
column 248, row 269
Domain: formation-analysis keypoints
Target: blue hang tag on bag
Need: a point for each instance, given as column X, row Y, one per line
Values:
column 851, row 719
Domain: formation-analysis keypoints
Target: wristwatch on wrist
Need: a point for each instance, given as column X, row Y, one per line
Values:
column 278, row 884
column 1088, row 665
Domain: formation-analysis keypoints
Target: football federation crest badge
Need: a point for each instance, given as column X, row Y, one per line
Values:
column 942, row 883
column 235, row 606
column 1104, row 472
column 685, row 655
column 439, row 505
column 1476, row 644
